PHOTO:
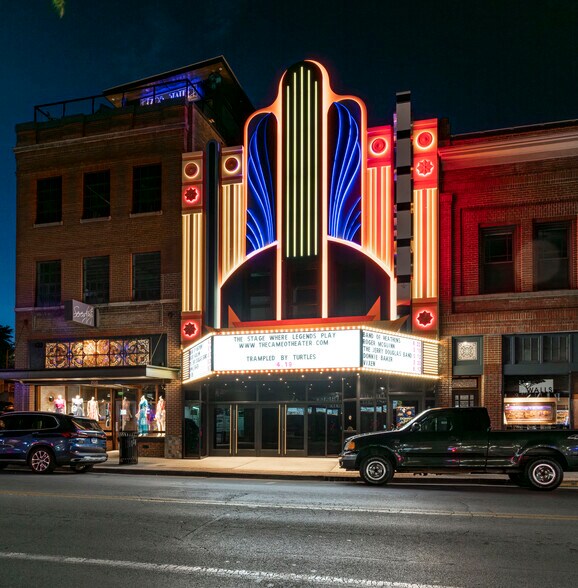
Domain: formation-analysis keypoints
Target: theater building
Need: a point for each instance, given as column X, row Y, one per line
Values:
column 226, row 281
column 509, row 274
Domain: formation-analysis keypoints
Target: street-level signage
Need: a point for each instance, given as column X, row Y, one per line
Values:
column 200, row 360
column 79, row 312
column 392, row 353
column 290, row 350
column 536, row 387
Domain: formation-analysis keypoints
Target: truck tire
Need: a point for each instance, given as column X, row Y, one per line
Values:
column 41, row 461
column 544, row 474
column 376, row 470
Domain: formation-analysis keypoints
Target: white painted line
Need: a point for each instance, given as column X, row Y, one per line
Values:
column 253, row 575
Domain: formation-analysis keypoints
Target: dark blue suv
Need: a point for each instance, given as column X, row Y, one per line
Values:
column 44, row 440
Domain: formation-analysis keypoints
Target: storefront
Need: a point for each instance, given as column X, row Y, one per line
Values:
column 301, row 392
column 540, row 381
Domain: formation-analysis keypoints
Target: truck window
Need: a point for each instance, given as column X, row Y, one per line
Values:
column 436, row 423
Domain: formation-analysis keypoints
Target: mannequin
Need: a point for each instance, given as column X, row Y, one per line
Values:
column 143, row 409
column 77, row 406
column 125, row 414
column 59, row 404
column 92, row 409
column 161, row 414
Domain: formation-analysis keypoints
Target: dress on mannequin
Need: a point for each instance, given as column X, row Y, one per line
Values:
column 77, row 406
column 161, row 414
column 59, row 404
column 92, row 409
column 143, row 407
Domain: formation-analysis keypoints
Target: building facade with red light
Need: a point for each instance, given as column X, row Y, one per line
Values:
column 225, row 281
column 509, row 274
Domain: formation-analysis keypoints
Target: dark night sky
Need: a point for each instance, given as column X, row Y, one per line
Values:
column 484, row 64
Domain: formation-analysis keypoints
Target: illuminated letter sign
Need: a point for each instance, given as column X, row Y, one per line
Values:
column 199, row 360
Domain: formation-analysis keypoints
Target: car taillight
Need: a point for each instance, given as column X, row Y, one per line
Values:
column 74, row 434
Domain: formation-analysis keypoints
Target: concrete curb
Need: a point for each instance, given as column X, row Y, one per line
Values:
column 322, row 476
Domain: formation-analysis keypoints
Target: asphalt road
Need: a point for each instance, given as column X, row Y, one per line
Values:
column 140, row 531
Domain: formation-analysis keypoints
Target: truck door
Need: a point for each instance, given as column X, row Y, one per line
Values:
column 431, row 443
column 473, row 438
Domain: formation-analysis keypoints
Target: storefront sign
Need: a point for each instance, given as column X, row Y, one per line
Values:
column 384, row 351
column 78, row 312
column 287, row 350
column 200, row 358
column 533, row 388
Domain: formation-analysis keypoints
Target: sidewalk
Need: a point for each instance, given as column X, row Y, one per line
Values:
column 312, row 468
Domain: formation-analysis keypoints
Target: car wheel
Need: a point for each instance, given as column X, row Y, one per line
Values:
column 544, row 474
column 376, row 470
column 42, row 461
column 81, row 469
column 519, row 479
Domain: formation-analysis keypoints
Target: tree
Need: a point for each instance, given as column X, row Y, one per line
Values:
column 6, row 347
column 59, row 7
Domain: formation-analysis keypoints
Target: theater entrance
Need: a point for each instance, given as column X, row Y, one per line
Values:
column 276, row 430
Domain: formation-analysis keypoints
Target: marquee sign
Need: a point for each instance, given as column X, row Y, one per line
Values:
column 306, row 350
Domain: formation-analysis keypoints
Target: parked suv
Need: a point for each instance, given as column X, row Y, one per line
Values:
column 44, row 440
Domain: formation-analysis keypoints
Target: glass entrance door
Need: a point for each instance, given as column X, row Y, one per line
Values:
column 324, row 430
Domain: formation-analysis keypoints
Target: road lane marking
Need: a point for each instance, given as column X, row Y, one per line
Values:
column 299, row 507
column 253, row 575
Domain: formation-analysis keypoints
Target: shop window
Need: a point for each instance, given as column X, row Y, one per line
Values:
column 147, row 188
column 96, row 203
column 304, row 293
column 48, row 283
column 96, row 280
column 497, row 271
column 49, row 200
column 527, row 349
column 259, row 296
column 556, row 348
column 551, row 247
column 146, row 276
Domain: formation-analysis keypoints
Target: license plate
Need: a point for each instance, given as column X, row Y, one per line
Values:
column 95, row 441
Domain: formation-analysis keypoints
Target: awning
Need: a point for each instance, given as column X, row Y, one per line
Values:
column 93, row 376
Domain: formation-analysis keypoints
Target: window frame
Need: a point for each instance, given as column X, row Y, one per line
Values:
column 42, row 300
column 485, row 265
column 555, row 282
column 136, row 277
column 147, row 190
column 48, row 200
column 91, row 210
column 101, row 297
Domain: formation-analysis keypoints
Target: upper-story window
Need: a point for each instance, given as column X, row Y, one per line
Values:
column 497, row 268
column 49, row 200
column 96, row 202
column 146, row 276
column 48, row 283
column 95, row 280
column 552, row 262
column 146, row 188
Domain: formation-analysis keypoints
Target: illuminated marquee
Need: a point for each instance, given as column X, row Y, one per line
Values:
column 310, row 350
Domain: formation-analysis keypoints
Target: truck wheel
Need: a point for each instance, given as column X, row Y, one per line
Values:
column 42, row 461
column 544, row 474
column 376, row 470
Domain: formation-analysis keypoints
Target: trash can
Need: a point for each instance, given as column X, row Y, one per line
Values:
column 127, row 448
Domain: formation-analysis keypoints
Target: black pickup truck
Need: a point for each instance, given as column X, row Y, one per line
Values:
column 460, row 440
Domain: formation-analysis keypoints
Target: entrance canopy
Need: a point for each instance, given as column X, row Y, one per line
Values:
column 124, row 374
column 310, row 350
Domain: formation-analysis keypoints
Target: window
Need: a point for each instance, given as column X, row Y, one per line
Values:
column 146, row 276
column 465, row 399
column 259, row 296
column 527, row 349
column 48, row 283
column 146, row 188
column 551, row 246
column 96, row 195
column 438, row 423
column 95, row 280
column 556, row 348
column 49, row 200
column 497, row 260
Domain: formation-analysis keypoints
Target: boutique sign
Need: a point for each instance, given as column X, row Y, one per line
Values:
column 331, row 349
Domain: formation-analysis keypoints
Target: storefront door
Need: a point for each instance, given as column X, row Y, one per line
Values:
column 323, row 430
